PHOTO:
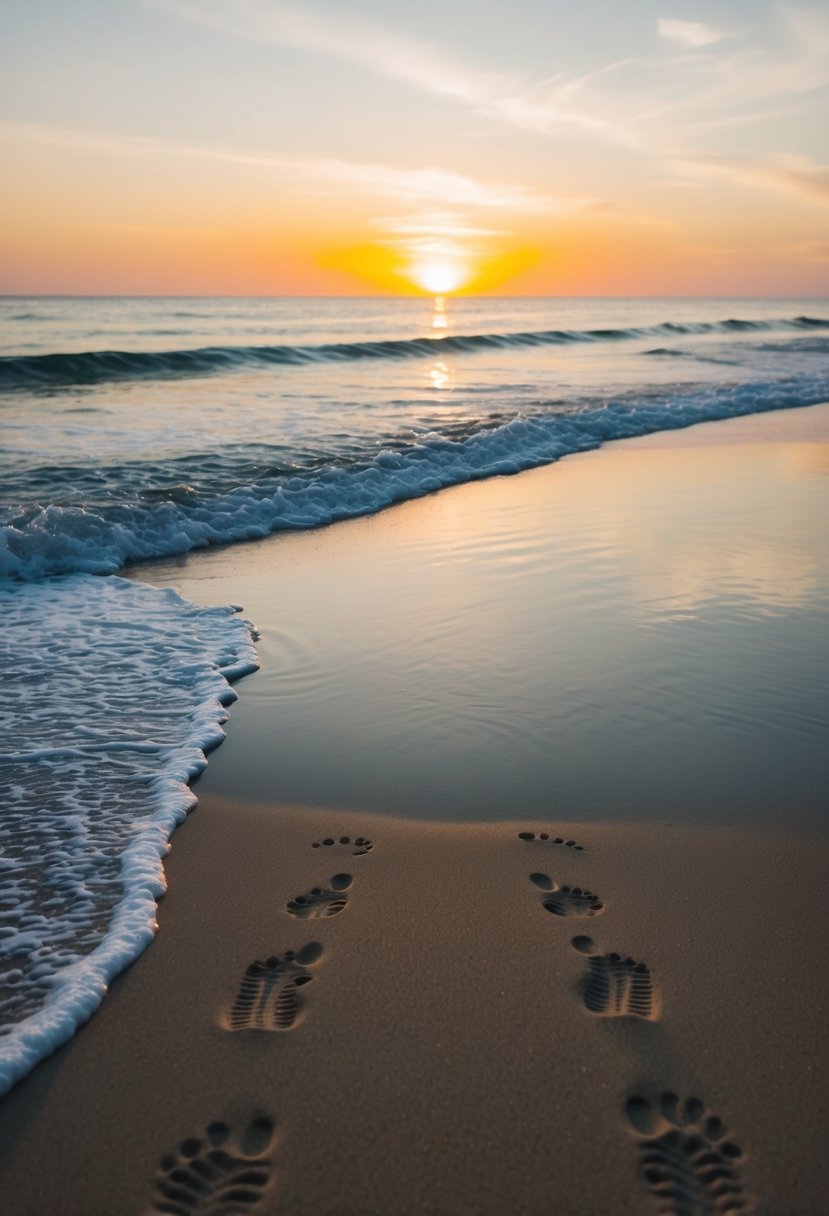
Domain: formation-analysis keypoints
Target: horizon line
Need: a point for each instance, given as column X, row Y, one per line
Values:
column 59, row 295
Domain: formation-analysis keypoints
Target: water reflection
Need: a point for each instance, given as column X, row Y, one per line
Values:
column 440, row 317
column 636, row 633
column 439, row 375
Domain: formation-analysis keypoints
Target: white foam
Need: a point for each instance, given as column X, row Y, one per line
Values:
column 114, row 691
column 58, row 539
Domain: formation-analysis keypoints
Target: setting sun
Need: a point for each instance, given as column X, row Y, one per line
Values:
column 440, row 278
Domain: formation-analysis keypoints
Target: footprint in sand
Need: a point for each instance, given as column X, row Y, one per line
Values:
column 356, row 846
column 268, row 997
column 322, row 901
column 546, row 838
column 566, row 901
column 690, row 1166
column 616, row 987
column 219, row 1174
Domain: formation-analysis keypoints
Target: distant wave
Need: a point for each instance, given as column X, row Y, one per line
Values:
column 93, row 367
column 100, row 538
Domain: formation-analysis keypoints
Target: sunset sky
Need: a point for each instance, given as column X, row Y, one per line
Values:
column 528, row 147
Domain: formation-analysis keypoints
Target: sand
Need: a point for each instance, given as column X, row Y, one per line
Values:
column 437, row 1044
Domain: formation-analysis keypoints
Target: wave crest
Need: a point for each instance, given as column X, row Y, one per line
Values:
column 94, row 367
column 61, row 539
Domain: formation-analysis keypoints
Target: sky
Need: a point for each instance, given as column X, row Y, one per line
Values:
column 520, row 147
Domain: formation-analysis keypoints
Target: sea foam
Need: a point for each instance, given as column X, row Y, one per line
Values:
column 114, row 692
column 101, row 539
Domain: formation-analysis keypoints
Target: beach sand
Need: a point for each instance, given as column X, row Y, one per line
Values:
column 437, row 1043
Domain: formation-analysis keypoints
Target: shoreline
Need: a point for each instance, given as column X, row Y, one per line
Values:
column 442, row 1060
column 476, row 649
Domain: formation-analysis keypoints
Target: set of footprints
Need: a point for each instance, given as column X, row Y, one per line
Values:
column 268, row 996
column 686, row 1158
column 225, row 1174
column 615, row 986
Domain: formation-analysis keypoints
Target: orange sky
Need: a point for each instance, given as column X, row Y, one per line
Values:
column 244, row 147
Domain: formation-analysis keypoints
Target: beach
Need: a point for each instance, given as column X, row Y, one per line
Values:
column 414, row 586
column 505, row 893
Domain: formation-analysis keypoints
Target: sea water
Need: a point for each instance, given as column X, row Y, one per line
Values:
column 136, row 429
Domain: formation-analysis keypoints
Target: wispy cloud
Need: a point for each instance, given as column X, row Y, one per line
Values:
column 360, row 42
column 664, row 107
column 559, row 102
column 690, row 33
column 440, row 214
column 430, row 185
column 437, row 224
column 796, row 175
column 317, row 174
column 796, row 64
column 810, row 251
column 639, row 104
column 439, row 234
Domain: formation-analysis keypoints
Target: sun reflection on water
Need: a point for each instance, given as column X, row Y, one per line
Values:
column 440, row 317
column 440, row 375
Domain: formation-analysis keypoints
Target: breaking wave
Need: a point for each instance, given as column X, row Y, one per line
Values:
column 100, row 538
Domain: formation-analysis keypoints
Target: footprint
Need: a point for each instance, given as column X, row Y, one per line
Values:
column 690, row 1166
column 616, row 987
column 545, row 837
column 567, row 901
column 268, row 997
column 319, row 902
column 219, row 1175
column 356, row 847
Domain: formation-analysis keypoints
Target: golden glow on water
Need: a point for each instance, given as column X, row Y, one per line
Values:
column 439, row 375
column 439, row 318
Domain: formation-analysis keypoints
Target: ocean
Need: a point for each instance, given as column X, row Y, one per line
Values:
column 137, row 429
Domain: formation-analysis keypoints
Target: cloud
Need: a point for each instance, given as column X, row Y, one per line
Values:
column 318, row 175
column 430, row 185
column 689, row 33
column 654, row 105
column 796, row 175
column 438, row 224
column 800, row 175
column 560, row 102
column 796, row 65
column 360, row 42
column 809, row 251
column 662, row 108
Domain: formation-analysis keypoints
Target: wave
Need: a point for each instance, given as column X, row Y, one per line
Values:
column 100, row 539
column 94, row 367
column 117, row 691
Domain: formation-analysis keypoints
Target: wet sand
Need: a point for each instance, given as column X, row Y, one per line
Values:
column 469, row 1017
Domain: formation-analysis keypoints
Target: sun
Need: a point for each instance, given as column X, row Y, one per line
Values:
column 439, row 276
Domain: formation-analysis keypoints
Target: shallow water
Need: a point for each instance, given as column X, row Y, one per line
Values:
column 637, row 634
